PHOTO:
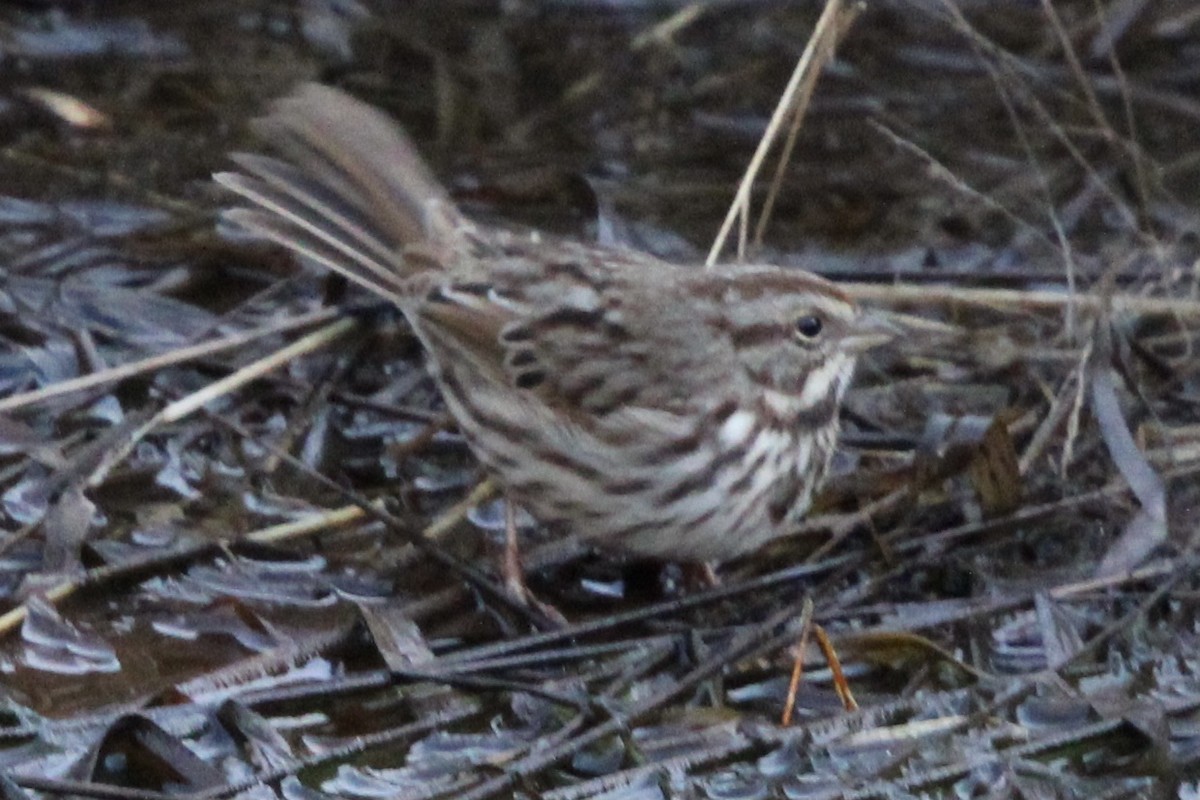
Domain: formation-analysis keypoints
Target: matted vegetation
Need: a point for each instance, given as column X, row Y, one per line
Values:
column 244, row 549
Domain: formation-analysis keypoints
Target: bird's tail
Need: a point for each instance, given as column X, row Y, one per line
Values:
column 351, row 192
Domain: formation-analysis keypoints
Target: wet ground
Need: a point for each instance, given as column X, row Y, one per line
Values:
column 1005, row 559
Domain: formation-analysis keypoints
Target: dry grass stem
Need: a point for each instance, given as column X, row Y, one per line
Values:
column 154, row 363
column 794, row 100
column 187, row 405
column 940, row 297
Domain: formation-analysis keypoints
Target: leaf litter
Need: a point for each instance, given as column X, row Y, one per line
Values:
column 213, row 564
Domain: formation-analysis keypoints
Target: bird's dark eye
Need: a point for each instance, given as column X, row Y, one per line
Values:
column 809, row 326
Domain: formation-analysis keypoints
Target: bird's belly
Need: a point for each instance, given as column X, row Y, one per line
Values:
column 712, row 504
column 666, row 494
column 750, row 497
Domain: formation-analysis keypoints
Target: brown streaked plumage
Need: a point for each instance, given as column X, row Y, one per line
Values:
column 663, row 410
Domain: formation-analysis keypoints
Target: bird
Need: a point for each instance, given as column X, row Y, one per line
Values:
column 659, row 410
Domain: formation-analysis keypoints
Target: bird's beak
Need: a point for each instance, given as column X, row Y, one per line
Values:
column 872, row 329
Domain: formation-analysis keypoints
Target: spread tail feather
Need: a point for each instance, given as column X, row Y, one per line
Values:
column 353, row 194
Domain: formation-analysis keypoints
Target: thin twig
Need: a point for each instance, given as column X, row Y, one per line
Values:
column 827, row 44
column 185, row 406
column 1026, row 300
column 155, row 363
column 797, row 85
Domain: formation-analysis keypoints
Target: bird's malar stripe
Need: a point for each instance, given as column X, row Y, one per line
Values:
column 822, row 382
column 818, row 416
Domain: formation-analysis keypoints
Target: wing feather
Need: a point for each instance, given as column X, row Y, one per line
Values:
column 545, row 320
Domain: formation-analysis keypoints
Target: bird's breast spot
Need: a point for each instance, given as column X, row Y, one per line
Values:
column 736, row 429
column 767, row 443
column 802, row 455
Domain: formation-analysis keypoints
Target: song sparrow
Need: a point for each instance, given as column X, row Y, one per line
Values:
column 662, row 410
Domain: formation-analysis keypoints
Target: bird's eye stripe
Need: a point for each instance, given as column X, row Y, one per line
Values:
column 756, row 334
